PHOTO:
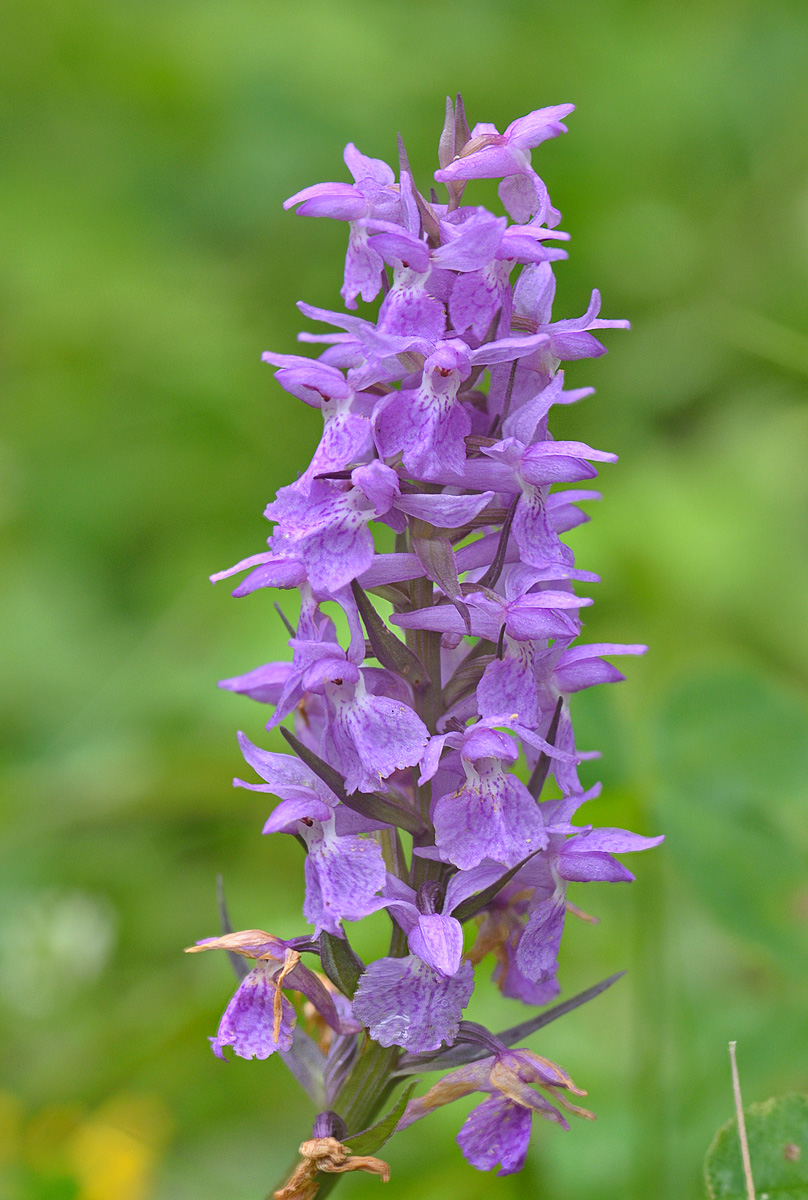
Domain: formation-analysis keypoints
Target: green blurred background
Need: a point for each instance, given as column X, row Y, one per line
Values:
column 147, row 148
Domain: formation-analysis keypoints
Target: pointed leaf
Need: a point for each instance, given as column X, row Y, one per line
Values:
column 495, row 570
column 537, row 779
column 390, row 650
column 340, row 964
column 777, row 1131
column 369, row 804
column 236, row 961
column 470, row 907
column 372, row 1139
column 438, row 561
column 409, row 1064
column 446, row 145
column 465, row 678
column 462, row 131
column 428, row 219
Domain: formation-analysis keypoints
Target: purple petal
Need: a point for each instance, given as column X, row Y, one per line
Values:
column 516, row 986
column 473, row 302
column 346, row 440
column 280, row 770
column 340, row 201
column 537, row 953
column 483, row 742
column 378, row 483
column 613, row 841
column 524, row 195
column 465, row 883
column 508, row 685
column 264, row 684
column 283, row 571
column 248, row 1021
column 427, row 428
column 508, row 349
column 438, row 941
column 391, row 568
column 447, row 512
column 363, row 168
column 343, row 875
column 373, row 736
column 308, row 379
column 496, row 1131
column 591, row 868
column 493, row 816
column 409, row 311
column 530, row 131
column 305, row 807
column 364, row 267
column 264, row 558
column 400, row 249
column 446, row 619
column 404, row 1002
column 492, row 161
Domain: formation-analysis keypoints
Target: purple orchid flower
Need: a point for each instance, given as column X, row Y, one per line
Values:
column 435, row 655
column 506, row 156
column 343, row 871
column 372, row 194
column 259, row 1020
column 498, row 1130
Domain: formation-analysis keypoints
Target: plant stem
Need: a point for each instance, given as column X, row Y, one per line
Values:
column 366, row 1088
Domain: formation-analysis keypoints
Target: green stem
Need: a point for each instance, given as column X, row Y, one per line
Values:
column 367, row 1086
column 362, row 1097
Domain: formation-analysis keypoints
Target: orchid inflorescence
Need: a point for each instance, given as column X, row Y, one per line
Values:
column 403, row 781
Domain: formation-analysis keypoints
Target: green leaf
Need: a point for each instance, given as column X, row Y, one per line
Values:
column 437, row 558
column 466, row 1052
column 542, row 767
column 340, row 964
column 372, row 1139
column 390, row 650
column 778, row 1149
column 493, row 573
column 468, row 908
column 236, row 961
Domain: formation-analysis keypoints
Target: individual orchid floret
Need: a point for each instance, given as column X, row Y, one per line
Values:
column 250, row 1024
column 346, row 438
column 481, row 250
column 567, row 339
column 506, row 156
column 587, row 855
column 405, row 1002
column 373, row 194
column 498, row 1130
column 343, row 871
column 433, row 934
column 492, row 815
column 370, row 736
column 327, row 532
column 259, row 1019
column 429, row 426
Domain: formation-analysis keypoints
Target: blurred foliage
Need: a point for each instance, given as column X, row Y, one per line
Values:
column 147, row 148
